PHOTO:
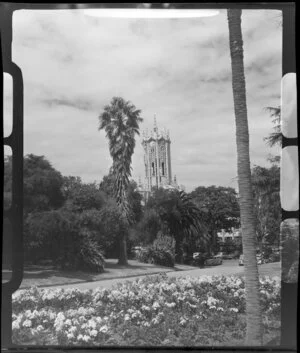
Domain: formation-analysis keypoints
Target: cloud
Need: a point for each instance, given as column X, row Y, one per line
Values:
column 179, row 69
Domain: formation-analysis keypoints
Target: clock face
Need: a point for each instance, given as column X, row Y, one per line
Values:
column 152, row 143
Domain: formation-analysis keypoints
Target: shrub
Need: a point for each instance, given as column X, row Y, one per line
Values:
column 66, row 238
column 162, row 252
column 164, row 243
column 144, row 255
column 162, row 257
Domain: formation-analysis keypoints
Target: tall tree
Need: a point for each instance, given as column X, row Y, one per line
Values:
column 180, row 216
column 253, row 308
column 120, row 120
column 133, row 196
column 80, row 196
column 42, row 184
column 220, row 208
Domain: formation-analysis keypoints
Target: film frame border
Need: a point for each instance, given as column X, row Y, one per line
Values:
column 15, row 141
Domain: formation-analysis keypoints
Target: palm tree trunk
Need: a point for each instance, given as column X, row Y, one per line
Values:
column 253, row 309
column 123, row 250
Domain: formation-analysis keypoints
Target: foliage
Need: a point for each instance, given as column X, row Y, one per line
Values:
column 219, row 206
column 266, row 190
column 65, row 238
column 80, row 196
column 146, row 230
column 161, row 252
column 42, row 184
column 179, row 215
column 120, row 120
column 164, row 250
column 134, row 198
column 111, row 227
column 232, row 246
column 153, row 311
column 275, row 138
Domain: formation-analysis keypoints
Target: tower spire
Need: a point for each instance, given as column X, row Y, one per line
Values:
column 155, row 123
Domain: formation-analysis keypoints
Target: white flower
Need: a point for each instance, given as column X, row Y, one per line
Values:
column 27, row 323
column 104, row 329
column 86, row 338
column 182, row 321
column 15, row 325
column 155, row 305
column 170, row 305
column 155, row 321
column 68, row 322
column 233, row 309
column 126, row 317
column 236, row 294
column 93, row 333
column 220, row 309
column 40, row 328
column 92, row 324
column 70, row 336
column 72, row 329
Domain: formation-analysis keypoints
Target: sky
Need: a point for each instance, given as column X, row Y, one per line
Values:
column 178, row 69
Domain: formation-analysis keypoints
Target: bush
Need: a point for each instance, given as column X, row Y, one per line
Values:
column 162, row 252
column 64, row 237
column 144, row 255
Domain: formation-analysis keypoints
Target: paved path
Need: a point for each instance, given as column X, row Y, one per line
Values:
column 48, row 276
column 229, row 267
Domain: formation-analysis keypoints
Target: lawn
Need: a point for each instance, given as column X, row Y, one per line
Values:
column 152, row 311
column 46, row 276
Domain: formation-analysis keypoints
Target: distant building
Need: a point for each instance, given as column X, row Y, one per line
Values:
column 157, row 162
column 225, row 236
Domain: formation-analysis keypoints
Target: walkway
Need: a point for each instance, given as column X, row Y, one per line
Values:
column 229, row 267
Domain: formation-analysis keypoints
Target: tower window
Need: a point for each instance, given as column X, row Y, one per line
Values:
column 163, row 168
column 153, row 172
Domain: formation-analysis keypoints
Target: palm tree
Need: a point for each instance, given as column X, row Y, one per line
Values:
column 120, row 120
column 253, row 309
column 275, row 138
column 180, row 215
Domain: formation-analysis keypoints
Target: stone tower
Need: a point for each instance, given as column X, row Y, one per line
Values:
column 157, row 158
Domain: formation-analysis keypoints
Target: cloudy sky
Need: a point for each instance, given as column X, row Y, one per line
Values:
column 178, row 69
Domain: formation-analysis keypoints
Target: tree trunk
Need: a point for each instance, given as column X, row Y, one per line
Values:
column 123, row 250
column 253, row 309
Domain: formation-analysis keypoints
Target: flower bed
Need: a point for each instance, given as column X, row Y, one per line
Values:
column 153, row 311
